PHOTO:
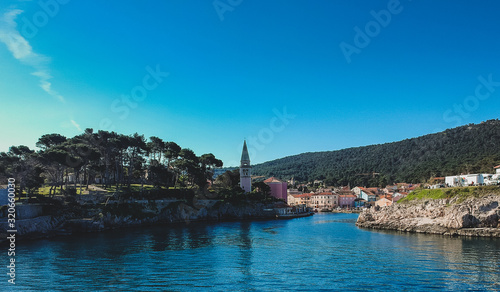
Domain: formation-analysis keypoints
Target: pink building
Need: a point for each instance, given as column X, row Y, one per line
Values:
column 278, row 188
column 346, row 201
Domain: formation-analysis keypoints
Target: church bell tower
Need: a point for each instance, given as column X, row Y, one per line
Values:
column 245, row 170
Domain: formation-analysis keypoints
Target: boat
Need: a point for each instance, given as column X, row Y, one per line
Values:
column 297, row 215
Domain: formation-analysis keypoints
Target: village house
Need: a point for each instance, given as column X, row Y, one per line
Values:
column 283, row 209
column 384, row 202
column 388, row 197
column 346, row 201
column 358, row 202
column 464, row 180
column 375, row 191
column 278, row 188
column 291, row 200
column 390, row 189
column 367, row 195
column 356, row 191
column 345, row 191
column 302, row 199
column 325, row 200
column 397, row 197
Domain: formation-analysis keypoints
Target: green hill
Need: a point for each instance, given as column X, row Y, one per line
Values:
column 474, row 148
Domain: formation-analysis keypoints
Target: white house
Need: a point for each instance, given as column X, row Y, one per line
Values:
column 491, row 179
column 356, row 191
column 291, row 200
column 464, row 180
column 497, row 168
column 367, row 195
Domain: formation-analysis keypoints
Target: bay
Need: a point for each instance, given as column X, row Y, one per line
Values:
column 325, row 252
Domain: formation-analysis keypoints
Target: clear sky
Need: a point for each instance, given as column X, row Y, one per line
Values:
column 289, row 76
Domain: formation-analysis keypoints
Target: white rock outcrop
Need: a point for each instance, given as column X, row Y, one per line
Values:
column 472, row 217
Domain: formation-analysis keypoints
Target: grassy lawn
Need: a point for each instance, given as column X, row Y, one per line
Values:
column 45, row 190
column 462, row 192
column 133, row 188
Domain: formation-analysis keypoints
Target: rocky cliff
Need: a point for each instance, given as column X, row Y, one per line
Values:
column 454, row 216
column 137, row 213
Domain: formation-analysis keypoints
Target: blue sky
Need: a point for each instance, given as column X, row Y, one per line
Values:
column 209, row 74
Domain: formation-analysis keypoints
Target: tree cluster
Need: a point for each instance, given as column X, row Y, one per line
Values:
column 107, row 157
column 474, row 148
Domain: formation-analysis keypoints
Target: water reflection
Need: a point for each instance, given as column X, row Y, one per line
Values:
column 244, row 261
column 325, row 251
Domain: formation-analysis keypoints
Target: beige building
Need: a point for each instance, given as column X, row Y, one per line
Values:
column 323, row 200
column 302, row 199
column 384, row 202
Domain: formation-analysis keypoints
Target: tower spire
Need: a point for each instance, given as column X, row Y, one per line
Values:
column 245, row 158
column 245, row 170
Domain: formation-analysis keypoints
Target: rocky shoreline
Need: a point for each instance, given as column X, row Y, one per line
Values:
column 165, row 213
column 474, row 217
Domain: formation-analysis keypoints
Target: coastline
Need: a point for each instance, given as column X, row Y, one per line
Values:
column 472, row 217
column 49, row 226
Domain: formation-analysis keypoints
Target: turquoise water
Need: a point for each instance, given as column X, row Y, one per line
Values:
column 320, row 253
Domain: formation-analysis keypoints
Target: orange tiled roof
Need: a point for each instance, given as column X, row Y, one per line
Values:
column 272, row 179
column 348, row 196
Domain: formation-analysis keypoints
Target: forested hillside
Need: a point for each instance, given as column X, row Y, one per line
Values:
column 473, row 148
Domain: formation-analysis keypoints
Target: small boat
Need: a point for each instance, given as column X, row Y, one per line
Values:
column 297, row 215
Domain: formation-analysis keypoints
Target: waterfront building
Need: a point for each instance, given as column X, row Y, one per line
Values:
column 367, row 195
column 325, row 200
column 346, row 201
column 291, row 200
column 302, row 199
column 358, row 202
column 246, row 170
column 278, row 188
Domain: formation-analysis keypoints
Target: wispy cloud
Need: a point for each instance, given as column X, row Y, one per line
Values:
column 76, row 125
column 22, row 51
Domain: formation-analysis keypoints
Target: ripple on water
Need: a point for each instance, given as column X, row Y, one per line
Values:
column 323, row 252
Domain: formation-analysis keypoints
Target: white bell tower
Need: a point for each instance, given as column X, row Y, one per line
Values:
column 245, row 170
